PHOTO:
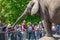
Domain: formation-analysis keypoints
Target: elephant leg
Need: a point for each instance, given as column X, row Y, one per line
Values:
column 47, row 23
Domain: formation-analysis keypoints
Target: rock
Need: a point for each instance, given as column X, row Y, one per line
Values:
column 47, row 38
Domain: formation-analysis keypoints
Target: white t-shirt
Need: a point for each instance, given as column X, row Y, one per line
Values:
column 29, row 28
column 54, row 28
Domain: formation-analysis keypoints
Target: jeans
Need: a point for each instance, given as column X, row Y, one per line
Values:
column 24, row 35
column 37, row 34
column 13, row 37
column 6, row 36
column 31, row 35
column 53, row 32
column 20, row 35
column 58, row 32
column 43, row 34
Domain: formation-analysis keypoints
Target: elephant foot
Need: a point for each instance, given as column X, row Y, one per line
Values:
column 47, row 38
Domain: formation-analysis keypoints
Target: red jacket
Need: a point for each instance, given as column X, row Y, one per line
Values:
column 24, row 27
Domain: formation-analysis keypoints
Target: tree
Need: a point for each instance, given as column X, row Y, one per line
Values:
column 10, row 10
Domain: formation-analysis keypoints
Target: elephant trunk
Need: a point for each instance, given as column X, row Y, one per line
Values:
column 25, row 13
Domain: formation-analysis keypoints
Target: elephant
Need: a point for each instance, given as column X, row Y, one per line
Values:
column 51, row 13
column 50, row 10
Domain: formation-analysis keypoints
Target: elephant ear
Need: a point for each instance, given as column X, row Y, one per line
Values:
column 35, row 8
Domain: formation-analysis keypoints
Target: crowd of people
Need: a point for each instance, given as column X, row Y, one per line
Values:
column 30, row 32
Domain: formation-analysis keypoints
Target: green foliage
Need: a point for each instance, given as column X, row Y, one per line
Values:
column 10, row 10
